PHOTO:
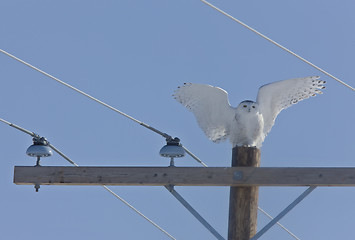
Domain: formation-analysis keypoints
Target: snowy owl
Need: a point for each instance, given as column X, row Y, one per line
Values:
column 250, row 122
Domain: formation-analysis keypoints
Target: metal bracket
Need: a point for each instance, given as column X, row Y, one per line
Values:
column 283, row 213
column 171, row 189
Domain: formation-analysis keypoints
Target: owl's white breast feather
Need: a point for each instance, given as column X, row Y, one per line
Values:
column 247, row 129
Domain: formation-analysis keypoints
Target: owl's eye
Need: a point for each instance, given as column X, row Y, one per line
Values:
column 244, row 105
column 253, row 106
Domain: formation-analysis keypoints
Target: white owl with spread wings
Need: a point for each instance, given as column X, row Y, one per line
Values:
column 250, row 122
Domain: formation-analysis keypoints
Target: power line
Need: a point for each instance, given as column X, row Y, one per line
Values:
column 165, row 135
column 141, row 214
column 85, row 94
column 104, row 186
column 194, row 156
column 278, row 45
column 282, row 226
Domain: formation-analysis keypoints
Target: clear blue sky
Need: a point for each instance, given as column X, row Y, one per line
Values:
column 132, row 55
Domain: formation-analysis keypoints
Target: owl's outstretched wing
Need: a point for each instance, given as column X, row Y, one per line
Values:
column 210, row 106
column 274, row 97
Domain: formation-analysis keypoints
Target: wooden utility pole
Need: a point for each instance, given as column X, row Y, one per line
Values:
column 243, row 201
column 245, row 176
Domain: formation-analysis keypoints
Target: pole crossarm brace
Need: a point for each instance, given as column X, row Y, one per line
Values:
column 184, row 176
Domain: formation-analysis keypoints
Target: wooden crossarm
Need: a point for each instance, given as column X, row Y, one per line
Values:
column 184, row 176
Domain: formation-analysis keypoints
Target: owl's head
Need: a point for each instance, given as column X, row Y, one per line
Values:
column 248, row 106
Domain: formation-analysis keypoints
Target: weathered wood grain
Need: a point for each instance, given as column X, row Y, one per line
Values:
column 243, row 201
column 185, row 176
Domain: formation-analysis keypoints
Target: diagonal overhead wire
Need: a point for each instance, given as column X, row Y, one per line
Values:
column 165, row 135
column 85, row 94
column 138, row 212
column 284, row 228
column 194, row 156
column 278, row 45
